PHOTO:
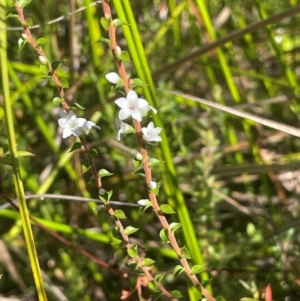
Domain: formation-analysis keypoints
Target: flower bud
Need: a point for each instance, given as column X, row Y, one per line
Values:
column 113, row 77
column 24, row 36
column 43, row 60
column 102, row 191
column 152, row 185
column 139, row 157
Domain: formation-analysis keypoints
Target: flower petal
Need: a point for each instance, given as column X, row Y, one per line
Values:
column 62, row 113
column 62, row 122
column 121, row 102
column 137, row 115
column 80, row 122
column 67, row 133
column 124, row 113
column 131, row 95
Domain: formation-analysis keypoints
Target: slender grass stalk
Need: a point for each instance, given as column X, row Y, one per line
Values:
column 8, row 113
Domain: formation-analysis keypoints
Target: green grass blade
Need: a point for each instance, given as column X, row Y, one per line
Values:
column 15, row 163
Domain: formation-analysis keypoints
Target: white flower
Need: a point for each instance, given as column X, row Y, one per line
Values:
column 43, row 60
column 113, row 77
column 150, row 133
column 73, row 125
column 123, row 128
column 132, row 106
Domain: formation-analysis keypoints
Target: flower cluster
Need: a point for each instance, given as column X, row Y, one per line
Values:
column 73, row 125
column 135, row 107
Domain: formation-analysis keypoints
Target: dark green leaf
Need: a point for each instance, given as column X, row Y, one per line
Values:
column 176, row 294
column 76, row 145
column 85, row 167
column 178, row 270
column 14, row 16
column 93, row 152
column 56, row 64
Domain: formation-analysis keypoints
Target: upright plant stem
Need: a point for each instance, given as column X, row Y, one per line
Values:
column 8, row 115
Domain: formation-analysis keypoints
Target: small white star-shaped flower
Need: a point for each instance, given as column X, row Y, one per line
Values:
column 73, row 125
column 150, row 133
column 132, row 106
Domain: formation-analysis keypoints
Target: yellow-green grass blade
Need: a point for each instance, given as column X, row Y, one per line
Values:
column 29, row 239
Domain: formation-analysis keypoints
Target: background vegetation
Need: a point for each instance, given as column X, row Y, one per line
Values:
column 239, row 179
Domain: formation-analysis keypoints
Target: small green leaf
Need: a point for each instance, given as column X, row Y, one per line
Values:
column 44, row 69
column 154, row 162
column 105, row 23
column 159, row 277
column 118, row 22
column 57, row 100
column 120, row 214
column 137, row 164
column 105, row 41
column 93, row 152
column 196, row 269
column 56, row 64
column 125, row 56
column 78, row 106
column 163, row 234
column 185, row 253
column 29, row 21
column 132, row 252
column 152, row 286
column 175, row 226
column 147, row 262
column 176, row 294
column 64, row 83
column 14, row 16
column 178, row 270
column 23, row 3
column 76, row 145
column 104, row 173
column 116, row 241
column 130, row 230
column 133, row 265
column 167, row 209
column 42, row 41
column 136, row 82
column 140, row 174
column 85, row 167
